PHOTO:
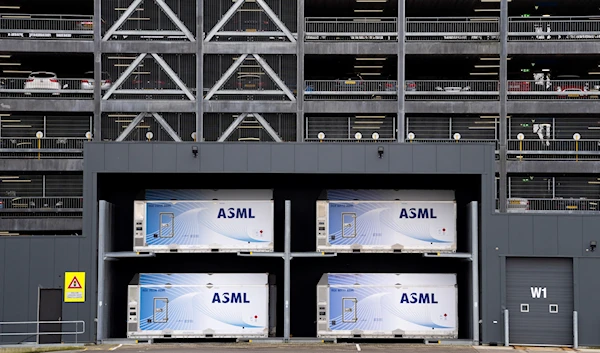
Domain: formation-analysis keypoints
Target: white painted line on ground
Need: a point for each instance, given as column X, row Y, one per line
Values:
column 358, row 347
column 115, row 348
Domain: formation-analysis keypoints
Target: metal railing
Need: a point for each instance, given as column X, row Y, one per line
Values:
column 554, row 89
column 41, row 204
column 46, row 26
column 351, row 28
column 14, row 87
column 553, row 28
column 562, row 205
column 353, row 140
column 76, row 331
column 453, row 28
column 47, row 147
column 452, row 90
column 554, row 149
column 450, row 140
column 350, row 89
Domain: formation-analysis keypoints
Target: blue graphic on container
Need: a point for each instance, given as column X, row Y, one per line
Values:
column 224, row 303
column 387, row 223
column 374, row 305
column 209, row 222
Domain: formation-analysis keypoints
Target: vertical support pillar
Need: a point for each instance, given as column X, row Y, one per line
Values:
column 506, row 329
column 200, row 71
column 400, row 125
column 286, row 270
column 97, row 95
column 575, row 330
column 474, row 234
column 103, row 212
column 300, row 72
column 503, row 121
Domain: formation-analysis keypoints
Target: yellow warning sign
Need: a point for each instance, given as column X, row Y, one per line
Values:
column 74, row 287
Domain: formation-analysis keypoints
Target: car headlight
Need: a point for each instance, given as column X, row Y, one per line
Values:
column 467, row 88
column 438, row 88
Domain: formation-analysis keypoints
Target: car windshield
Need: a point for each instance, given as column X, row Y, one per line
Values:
column 42, row 75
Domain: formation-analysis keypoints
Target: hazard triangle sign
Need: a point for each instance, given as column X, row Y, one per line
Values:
column 75, row 284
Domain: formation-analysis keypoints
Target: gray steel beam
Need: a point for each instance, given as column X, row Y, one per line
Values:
column 148, row 46
column 121, row 19
column 267, row 9
column 262, row 62
column 287, row 271
column 149, row 91
column 232, row 127
column 173, row 17
column 167, row 127
column 400, row 119
column 173, row 75
column 503, row 121
column 24, row 225
column 250, row 48
column 350, row 48
column 148, row 105
column 371, row 106
column 300, row 23
column 553, row 47
column 250, row 106
column 247, row 92
column 131, row 126
column 464, row 48
column 46, row 105
column 41, row 165
column 97, row 96
column 226, row 17
column 134, row 64
column 450, row 107
column 265, row 124
column 200, row 72
column 554, row 106
column 226, row 75
column 151, row 33
column 47, row 46
column 553, row 166
column 252, row 34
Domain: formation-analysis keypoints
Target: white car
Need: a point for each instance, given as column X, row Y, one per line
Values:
column 42, row 80
column 88, row 81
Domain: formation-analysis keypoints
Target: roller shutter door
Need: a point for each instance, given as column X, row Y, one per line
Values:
column 539, row 297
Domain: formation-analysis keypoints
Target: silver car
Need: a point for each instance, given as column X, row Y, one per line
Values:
column 88, row 80
column 42, row 80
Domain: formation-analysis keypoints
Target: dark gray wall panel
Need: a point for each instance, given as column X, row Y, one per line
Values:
column 211, row 158
column 426, row 162
column 116, row 158
column 87, row 262
column 570, row 232
column 591, row 231
column 2, row 269
column 448, row 159
column 259, row 158
column 401, row 158
column 185, row 158
column 138, row 160
column 95, row 156
column 234, row 159
column 306, row 159
column 163, row 157
column 282, row 159
column 353, row 159
column 330, row 158
column 16, row 289
column 472, row 153
column 589, row 311
column 545, row 236
column 66, row 253
column 40, row 273
column 374, row 164
column 520, row 239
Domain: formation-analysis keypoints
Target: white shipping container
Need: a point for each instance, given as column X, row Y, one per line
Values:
column 203, row 226
column 386, row 226
column 201, row 305
column 386, row 305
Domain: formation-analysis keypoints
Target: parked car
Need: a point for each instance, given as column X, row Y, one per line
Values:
column 88, row 80
column 42, row 80
column 353, row 83
column 250, row 81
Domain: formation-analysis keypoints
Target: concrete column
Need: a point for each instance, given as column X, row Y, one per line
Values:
column 200, row 71
column 503, row 122
column 300, row 72
column 400, row 124
column 97, row 96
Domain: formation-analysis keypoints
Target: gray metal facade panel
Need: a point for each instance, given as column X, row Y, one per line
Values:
column 162, row 157
column 116, row 158
column 138, row 160
column 235, row 159
column 41, row 275
column 185, row 159
column 16, row 290
column 329, row 158
column 259, row 158
column 282, row 159
column 306, row 159
column 426, row 161
column 545, row 236
column 591, row 227
column 211, row 158
column 472, row 153
column 539, row 326
column 520, row 235
column 401, row 159
column 373, row 163
column 588, row 284
column 353, row 159
column 449, row 159
column 570, row 235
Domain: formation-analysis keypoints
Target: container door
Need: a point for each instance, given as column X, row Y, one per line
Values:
column 161, row 310
column 167, row 225
column 349, row 225
column 349, row 310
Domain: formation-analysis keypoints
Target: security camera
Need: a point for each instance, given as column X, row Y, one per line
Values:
column 593, row 245
column 195, row 151
column 380, row 151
